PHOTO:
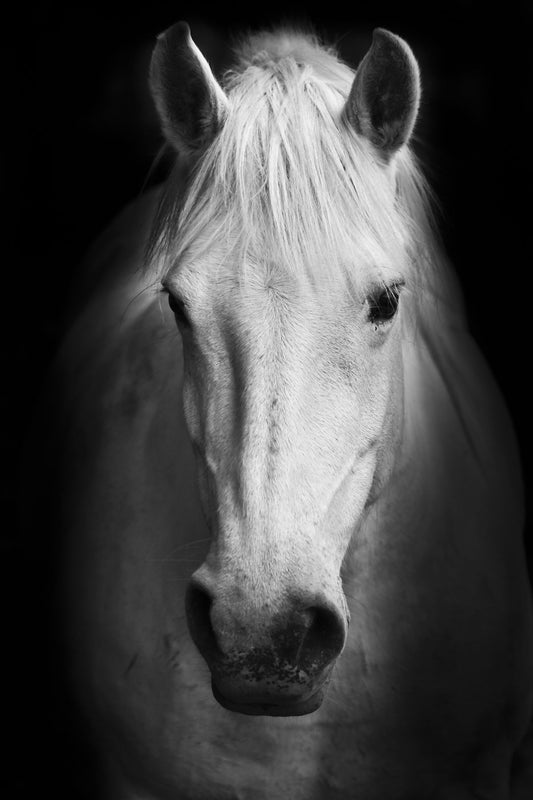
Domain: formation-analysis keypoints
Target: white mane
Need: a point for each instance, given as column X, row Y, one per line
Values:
column 288, row 177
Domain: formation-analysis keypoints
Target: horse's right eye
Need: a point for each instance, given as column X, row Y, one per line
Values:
column 178, row 309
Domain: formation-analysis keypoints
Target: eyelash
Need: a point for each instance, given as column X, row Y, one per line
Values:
column 383, row 304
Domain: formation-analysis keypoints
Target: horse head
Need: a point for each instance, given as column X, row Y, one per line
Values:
column 286, row 260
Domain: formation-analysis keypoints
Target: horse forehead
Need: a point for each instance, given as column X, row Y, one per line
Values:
column 232, row 284
column 277, row 306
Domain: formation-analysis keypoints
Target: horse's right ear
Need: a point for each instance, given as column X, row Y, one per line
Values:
column 190, row 102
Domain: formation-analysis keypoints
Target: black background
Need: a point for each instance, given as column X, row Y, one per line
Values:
column 79, row 135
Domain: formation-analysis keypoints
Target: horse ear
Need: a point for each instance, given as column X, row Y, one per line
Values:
column 190, row 102
column 383, row 102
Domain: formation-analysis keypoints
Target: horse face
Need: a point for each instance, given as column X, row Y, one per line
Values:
column 289, row 403
column 289, row 377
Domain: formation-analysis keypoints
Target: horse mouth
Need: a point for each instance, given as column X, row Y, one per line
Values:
column 267, row 707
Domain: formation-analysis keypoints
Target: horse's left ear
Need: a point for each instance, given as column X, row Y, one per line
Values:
column 383, row 102
column 191, row 103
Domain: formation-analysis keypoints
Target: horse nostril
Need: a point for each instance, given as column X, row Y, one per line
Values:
column 325, row 636
column 310, row 638
column 198, row 602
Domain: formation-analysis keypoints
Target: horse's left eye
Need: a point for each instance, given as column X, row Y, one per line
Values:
column 382, row 305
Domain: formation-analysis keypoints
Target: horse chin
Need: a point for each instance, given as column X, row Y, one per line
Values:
column 266, row 707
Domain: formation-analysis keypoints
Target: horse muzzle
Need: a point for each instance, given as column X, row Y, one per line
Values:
column 266, row 665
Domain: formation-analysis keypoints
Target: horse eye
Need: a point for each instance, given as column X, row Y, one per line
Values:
column 382, row 305
column 178, row 309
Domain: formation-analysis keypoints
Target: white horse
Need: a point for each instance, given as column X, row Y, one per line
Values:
column 342, row 610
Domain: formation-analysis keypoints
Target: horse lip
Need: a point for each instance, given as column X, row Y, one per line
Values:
column 291, row 708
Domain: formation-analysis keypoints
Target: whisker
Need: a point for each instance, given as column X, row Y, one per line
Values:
column 195, row 543
column 148, row 288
